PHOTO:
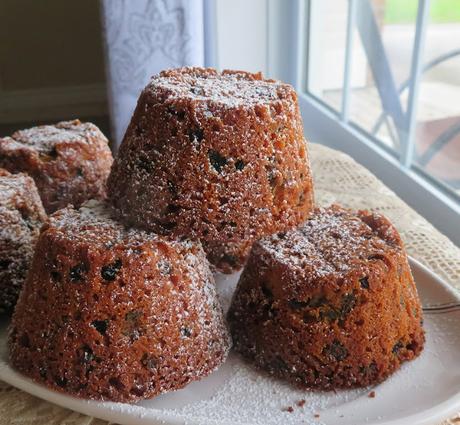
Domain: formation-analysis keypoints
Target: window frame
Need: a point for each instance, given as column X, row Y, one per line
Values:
column 332, row 128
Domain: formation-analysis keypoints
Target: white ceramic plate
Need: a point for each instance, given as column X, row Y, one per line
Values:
column 424, row 391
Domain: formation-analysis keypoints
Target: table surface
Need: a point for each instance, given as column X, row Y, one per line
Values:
column 338, row 179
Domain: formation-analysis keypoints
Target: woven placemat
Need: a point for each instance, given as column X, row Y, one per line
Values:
column 338, row 178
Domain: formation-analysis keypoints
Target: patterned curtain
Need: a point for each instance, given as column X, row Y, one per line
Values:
column 143, row 37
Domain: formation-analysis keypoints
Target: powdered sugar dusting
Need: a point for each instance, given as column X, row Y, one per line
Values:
column 249, row 396
column 93, row 222
column 69, row 161
column 220, row 157
column 227, row 88
column 165, row 319
column 332, row 241
column 45, row 137
column 239, row 395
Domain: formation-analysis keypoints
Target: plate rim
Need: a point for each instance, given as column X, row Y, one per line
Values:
column 140, row 414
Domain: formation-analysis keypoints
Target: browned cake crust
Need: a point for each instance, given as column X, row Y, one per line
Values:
column 21, row 216
column 329, row 305
column 114, row 314
column 69, row 161
column 218, row 156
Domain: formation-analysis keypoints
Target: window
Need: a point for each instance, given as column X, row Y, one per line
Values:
column 380, row 80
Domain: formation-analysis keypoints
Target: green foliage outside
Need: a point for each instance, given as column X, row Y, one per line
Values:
column 405, row 11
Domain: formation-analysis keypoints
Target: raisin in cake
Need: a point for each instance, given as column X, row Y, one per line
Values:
column 115, row 314
column 329, row 305
column 216, row 156
column 69, row 161
column 21, row 216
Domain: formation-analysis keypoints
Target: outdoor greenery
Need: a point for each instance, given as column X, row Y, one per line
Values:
column 405, row 11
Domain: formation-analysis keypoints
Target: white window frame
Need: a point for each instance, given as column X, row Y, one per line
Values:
column 287, row 58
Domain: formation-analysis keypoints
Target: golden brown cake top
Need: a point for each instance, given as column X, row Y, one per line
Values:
column 229, row 88
column 333, row 242
column 92, row 224
column 44, row 138
column 15, row 189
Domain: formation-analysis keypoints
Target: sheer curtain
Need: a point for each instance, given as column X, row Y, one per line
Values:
column 142, row 37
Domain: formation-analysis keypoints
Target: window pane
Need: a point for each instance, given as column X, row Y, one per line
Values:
column 326, row 50
column 381, row 55
column 381, row 65
column 437, row 141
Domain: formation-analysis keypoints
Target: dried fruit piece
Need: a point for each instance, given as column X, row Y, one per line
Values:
column 87, row 354
column 196, row 135
column 217, row 160
column 60, row 381
column 348, row 303
column 271, row 175
column 145, row 163
column 369, row 371
column 186, row 332
column 133, row 315
column 364, row 282
column 76, row 272
column 116, row 382
column 266, row 290
column 43, row 372
column 336, row 351
column 149, row 361
column 239, row 165
column 397, row 347
column 56, row 276
column 110, row 271
column 4, row 264
column 101, row 326
column 298, row 305
column 330, row 315
column 24, row 340
column 229, row 259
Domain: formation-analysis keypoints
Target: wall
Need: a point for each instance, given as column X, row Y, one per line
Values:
column 51, row 60
column 242, row 37
column 257, row 41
